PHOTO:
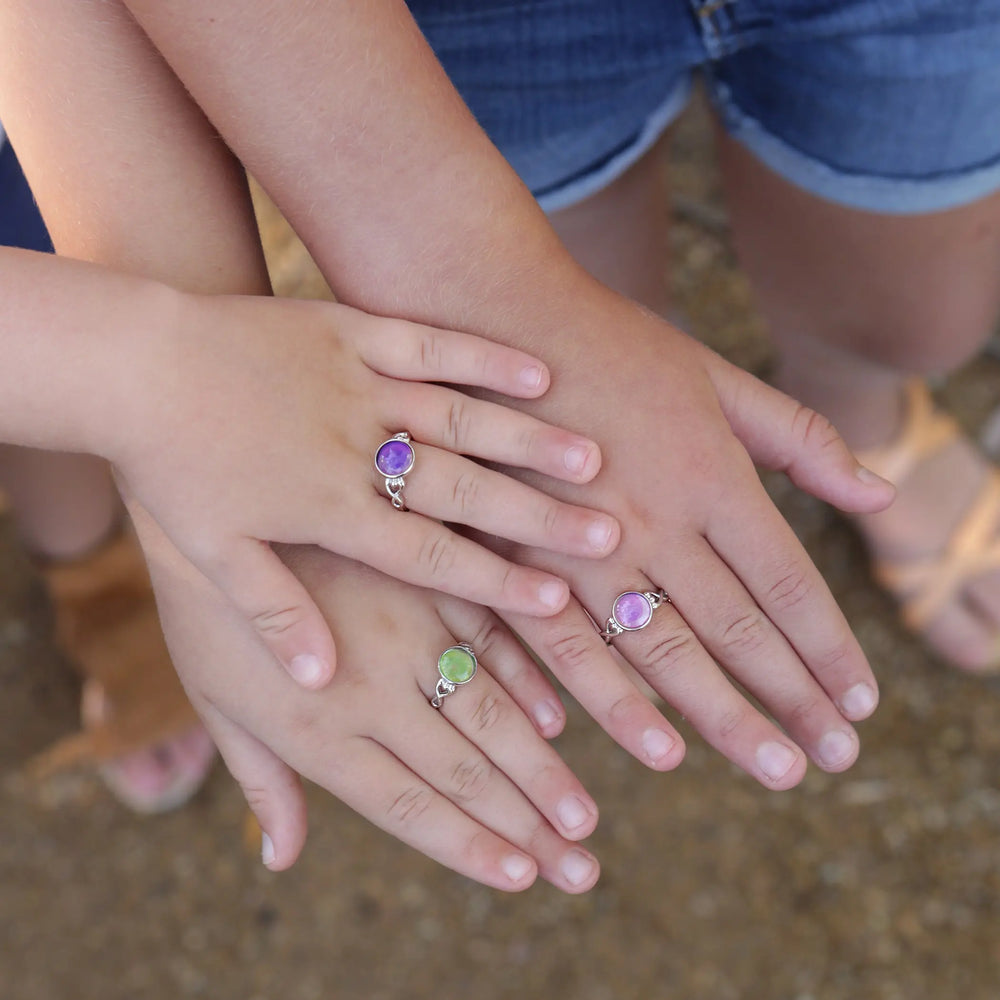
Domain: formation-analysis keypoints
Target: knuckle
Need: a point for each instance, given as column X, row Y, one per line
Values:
column 487, row 639
column 733, row 721
column 802, row 711
column 488, row 713
column 257, row 798
column 469, row 779
column 456, row 431
column 478, row 848
column 407, row 808
column 571, row 652
column 465, row 493
column 624, row 709
column 745, row 635
column 437, row 554
column 276, row 622
column 789, row 591
column 529, row 441
column 429, row 345
column 841, row 657
column 552, row 519
column 667, row 653
column 812, row 428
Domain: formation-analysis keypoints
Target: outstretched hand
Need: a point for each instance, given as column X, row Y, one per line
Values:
column 257, row 420
column 474, row 785
column 747, row 607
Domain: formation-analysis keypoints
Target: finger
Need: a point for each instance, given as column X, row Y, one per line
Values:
column 461, row 772
column 791, row 593
column 272, row 789
column 784, row 435
column 421, row 551
column 449, row 488
column 374, row 783
column 278, row 607
column 467, row 426
column 738, row 633
column 572, row 649
column 405, row 350
column 483, row 712
column 511, row 665
column 672, row 659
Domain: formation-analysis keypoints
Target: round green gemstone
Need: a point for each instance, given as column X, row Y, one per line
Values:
column 457, row 665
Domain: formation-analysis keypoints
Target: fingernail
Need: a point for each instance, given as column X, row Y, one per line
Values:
column 552, row 594
column 775, row 760
column 267, row 854
column 307, row 669
column 870, row 478
column 576, row 458
column 599, row 533
column 572, row 812
column 531, row 377
column 516, row 867
column 657, row 744
column 577, row 867
column 836, row 747
column 546, row 715
column 859, row 702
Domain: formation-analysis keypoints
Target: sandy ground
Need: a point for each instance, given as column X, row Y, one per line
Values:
column 878, row 884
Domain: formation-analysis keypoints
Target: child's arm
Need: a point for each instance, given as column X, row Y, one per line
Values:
column 344, row 115
column 242, row 420
column 182, row 217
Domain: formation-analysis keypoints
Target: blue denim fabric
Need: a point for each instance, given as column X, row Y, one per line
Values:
column 20, row 223
column 888, row 105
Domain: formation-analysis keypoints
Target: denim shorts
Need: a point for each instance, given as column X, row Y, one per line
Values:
column 885, row 105
column 20, row 223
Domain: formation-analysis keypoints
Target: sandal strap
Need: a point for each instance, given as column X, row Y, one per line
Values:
column 925, row 431
column 107, row 624
column 924, row 586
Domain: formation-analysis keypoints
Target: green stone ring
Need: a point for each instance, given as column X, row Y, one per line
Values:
column 456, row 665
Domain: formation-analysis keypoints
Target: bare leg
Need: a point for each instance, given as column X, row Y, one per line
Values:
column 65, row 505
column 173, row 205
column 857, row 304
column 620, row 234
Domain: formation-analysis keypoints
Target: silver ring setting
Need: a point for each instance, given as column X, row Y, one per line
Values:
column 632, row 610
column 457, row 665
column 394, row 458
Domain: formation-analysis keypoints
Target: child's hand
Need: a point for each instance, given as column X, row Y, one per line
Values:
column 473, row 785
column 748, row 610
column 257, row 420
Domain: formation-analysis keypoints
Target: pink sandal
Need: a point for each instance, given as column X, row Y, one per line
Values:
column 139, row 728
column 924, row 586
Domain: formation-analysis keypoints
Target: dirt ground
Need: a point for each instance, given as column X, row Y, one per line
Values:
column 879, row 884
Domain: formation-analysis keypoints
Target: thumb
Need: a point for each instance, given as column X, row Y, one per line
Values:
column 266, row 592
column 782, row 434
column 272, row 789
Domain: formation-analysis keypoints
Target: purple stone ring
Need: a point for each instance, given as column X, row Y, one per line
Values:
column 632, row 611
column 394, row 459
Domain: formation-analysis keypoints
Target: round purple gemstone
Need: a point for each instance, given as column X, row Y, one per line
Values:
column 632, row 610
column 394, row 458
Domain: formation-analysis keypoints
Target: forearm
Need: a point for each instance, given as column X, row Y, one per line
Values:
column 126, row 170
column 74, row 345
column 345, row 116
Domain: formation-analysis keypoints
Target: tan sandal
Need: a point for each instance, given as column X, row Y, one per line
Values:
column 925, row 585
column 139, row 728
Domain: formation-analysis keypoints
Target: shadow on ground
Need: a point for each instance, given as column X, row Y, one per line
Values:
column 878, row 884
